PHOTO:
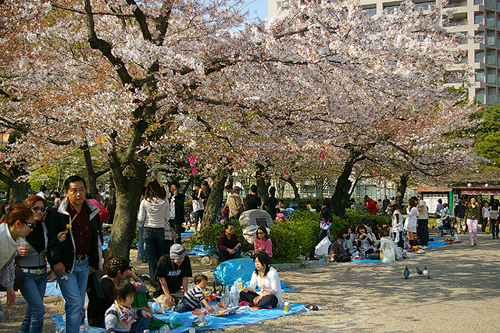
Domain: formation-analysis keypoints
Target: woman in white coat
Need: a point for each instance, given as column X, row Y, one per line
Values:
column 411, row 222
column 18, row 224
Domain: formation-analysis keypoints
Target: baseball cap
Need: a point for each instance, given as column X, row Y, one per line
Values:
column 118, row 264
column 177, row 251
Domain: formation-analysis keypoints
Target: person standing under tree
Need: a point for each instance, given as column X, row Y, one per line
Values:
column 75, row 245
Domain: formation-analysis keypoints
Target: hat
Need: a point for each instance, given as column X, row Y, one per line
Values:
column 177, row 251
column 118, row 264
column 236, row 188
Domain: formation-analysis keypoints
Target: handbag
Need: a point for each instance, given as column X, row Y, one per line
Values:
column 325, row 225
column 18, row 279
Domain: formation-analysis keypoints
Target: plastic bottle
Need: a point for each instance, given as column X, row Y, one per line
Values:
column 227, row 295
column 240, row 284
column 235, row 295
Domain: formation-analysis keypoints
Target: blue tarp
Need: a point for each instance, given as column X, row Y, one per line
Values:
column 200, row 251
column 243, row 316
column 435, row 244
column 52, row 289
column 229, row 271
column 105, row 242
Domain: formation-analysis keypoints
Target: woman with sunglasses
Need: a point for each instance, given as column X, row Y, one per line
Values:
column 34, row 267
column 18, row 223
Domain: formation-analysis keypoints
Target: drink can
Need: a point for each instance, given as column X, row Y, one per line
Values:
column 287, row 306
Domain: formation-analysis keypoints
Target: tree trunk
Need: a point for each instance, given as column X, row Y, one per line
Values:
column 17, row 188
column 263, row 182
column 401, row 189
column 90, row 170
column 128, row 195
column 214, row 199
column 290, row 181
column 341, row 194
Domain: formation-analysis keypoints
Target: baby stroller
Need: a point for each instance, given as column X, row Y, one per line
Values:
column 448, row 227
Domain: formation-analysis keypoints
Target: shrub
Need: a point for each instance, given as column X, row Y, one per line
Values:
column 286, row 244
column 305, row 227
column 211, row 234
column 354, row 217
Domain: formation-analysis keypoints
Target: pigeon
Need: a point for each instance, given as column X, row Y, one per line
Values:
column 419, row 271
column 407, row 272
column 426, row 273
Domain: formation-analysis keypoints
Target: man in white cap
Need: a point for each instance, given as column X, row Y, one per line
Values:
column 173, row 273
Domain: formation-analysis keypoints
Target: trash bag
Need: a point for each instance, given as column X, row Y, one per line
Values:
column 322, row 247
column 230, row 270
column 250, row 233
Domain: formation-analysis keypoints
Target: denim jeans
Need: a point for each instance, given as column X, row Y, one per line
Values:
column 155, row 248
column 74, row 288
column 33, row 290
column 494, row 228
column 198, row 217
column 184, row 307
column 141, row 324
column 224, row 255
column 141, row 248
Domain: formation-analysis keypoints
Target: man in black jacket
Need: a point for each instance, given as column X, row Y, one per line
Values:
column 75, row 244
column 177, row 210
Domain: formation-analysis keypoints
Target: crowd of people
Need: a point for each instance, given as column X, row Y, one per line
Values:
column 69, row 238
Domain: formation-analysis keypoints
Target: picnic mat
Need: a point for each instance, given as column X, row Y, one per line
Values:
column 435, row 244
column 52, row 289
column 369, row 260
column 243, row 316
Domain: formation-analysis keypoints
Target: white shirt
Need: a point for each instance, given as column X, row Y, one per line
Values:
column 411, row 220
column 153, row 213
column 172, row 208
column 271, row 283
column 41, row 194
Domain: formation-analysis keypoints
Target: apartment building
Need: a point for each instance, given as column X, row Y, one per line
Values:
column 480, row 18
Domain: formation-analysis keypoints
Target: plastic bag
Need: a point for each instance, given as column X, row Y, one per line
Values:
column 229, row 271
column 322, row 247
column 388, row 254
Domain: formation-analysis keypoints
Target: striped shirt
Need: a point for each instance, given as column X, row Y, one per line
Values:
column 194, row 296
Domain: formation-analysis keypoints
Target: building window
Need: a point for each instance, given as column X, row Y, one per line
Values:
column 478, row 2
column 478, row 18
column 490, row 57
column 490, row 20
column 479, row 56
column 390, row 8
column 370, row 10
column 492, row 96
column 424, row 5
column 490, row 4
column 491, row 77
column 480, row 76
column 453, row 4
column 480, row 95
column 490, row 39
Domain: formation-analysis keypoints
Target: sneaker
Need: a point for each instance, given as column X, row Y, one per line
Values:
column 420, row 251
column 424, row 247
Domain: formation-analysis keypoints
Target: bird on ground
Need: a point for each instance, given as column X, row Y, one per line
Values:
column 426, row 273
column 407, row 272
column 419, row 271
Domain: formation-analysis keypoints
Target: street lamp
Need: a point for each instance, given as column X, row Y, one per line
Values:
column 99, row 143
column 4, row 140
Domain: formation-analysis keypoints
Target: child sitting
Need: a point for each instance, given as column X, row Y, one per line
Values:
column 263, row 243
column 280, row 216
column 194, row 296
column 120, row 316
column 224, row 216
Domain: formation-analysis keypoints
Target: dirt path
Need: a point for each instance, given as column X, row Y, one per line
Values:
column 463, row 295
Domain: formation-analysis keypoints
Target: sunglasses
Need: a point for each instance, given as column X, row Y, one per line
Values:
column 36, row 209
column 31, row 225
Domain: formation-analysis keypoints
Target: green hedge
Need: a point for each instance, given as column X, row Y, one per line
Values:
column 293, row 238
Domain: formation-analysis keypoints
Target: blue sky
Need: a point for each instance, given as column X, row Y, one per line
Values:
column 257, row 8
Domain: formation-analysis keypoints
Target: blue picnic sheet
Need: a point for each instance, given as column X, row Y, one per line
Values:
column 435, row 244
column 369, row 260
column 105, row 242
column 200, row 251
column 52, row 289
column 243, row 316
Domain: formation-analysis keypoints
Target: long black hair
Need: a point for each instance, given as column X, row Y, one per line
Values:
column 264, row 260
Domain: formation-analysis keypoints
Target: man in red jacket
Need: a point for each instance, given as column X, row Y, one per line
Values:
column 370, row 205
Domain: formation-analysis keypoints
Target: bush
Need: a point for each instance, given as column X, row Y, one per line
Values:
column 286, row 244
column 354, row 217
column 305, row 227
column 211, row 234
